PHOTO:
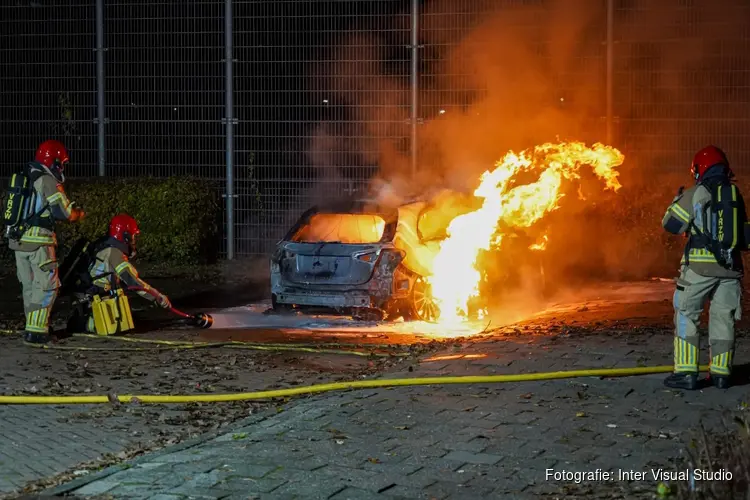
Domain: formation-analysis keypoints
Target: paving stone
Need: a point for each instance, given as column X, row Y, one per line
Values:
column 191, row 493
column 363, row 479
column 430, row 475
column 355, row 494
column 98, row 487
column 473, row 446
column 406, row 451
column 322, row 488
column 399, row 491
column 169, row 481
column 442, row 490
column 133, row 491
column 251, row 485
column 402, row 469
column 245, row 470
column 473, row 458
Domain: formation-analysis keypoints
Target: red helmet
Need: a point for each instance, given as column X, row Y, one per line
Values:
column 124, row 228
column 707, row 158
column 52, row 153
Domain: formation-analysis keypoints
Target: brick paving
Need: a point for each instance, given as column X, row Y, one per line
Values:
column 42, row 441
column 457, row 441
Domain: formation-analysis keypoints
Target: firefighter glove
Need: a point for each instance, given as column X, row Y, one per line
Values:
column 164, row 302
column 77, row 214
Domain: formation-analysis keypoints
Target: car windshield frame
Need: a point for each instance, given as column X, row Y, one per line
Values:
column 389, row 216
column 336, row 228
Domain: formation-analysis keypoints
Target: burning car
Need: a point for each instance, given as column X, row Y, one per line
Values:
column 408, row 260
column 361, row 260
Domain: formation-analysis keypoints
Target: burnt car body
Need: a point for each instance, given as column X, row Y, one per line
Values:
column 353, row 259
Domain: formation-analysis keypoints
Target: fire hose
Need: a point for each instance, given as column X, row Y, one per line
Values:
column 164, row 345
column 201, row 320
column 337, row 386
column 231, row 344
column 205, row 321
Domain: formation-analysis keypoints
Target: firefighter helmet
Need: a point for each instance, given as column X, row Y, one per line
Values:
column 706, row 158
column 124, row 228
column 52, row 154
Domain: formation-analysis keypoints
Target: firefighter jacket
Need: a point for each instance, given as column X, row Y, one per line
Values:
column 50, row 204
column 111, row 269
column 685, row 216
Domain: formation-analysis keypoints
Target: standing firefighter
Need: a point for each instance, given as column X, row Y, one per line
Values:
column 106, row 267
column 712, row 214
column 35, row 201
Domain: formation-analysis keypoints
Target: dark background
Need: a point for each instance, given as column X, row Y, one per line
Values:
column 165, row 88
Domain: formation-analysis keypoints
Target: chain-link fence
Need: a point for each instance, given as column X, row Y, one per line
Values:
column 314, row 100
column 325, row 93
column 681, row 80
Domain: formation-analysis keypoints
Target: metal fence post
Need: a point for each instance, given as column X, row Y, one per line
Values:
column 610, row 68
column 414, row 81
column 100, row 83
column 230, row 127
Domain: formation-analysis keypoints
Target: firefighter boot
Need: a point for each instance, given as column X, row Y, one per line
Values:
column 682, row 380
column 720, row 381
column 36, row 338
column 721, row 365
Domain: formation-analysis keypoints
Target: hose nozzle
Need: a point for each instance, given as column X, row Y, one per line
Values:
column 203, row 320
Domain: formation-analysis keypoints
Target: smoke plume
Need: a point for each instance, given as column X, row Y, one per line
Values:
column 520, row 75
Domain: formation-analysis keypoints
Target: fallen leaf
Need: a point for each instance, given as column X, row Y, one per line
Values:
column 373, row 460
column 580, row 414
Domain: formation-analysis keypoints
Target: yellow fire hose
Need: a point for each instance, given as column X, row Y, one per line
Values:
column 336, row 386
column 179, row 344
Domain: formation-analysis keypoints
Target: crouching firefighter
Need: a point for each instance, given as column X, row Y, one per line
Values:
column 712, row 215
column 104, row 272
column 35, row 201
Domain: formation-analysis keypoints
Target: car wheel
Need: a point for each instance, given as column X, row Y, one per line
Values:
column 421, row 305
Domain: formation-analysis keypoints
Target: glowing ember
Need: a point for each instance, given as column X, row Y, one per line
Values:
column 455, row 279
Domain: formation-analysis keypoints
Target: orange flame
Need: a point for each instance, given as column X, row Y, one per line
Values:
column 455, row 278
column 541, row 245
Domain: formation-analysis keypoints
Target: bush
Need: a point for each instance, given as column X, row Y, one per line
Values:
column 178, row 216
column 727, row 447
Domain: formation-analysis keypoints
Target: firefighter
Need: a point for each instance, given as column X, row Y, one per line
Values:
column 110, row 269
column 708, row 213
column 35, row 247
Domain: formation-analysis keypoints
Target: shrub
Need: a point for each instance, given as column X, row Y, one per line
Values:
column 726, row 447
column 178, row 216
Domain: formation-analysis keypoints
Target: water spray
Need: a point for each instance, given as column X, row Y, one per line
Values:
column 201, row 320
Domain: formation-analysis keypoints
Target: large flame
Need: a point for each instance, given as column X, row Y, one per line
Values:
column 455, row 275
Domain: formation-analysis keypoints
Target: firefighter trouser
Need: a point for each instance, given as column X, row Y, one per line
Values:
column 689, row 299
column 38, row 274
